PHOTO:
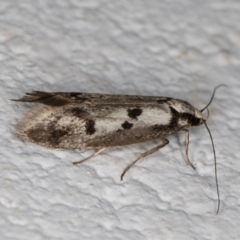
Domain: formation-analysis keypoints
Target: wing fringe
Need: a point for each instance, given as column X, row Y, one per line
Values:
column 50, row 99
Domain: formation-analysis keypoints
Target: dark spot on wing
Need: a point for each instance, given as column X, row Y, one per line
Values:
column 51, row 135
column 75, row 94
column 56, row 134
column 126, row 125
column 134, row 112
column 37, row 134
column 89, row 125
column 175, row 116
column 77, row 112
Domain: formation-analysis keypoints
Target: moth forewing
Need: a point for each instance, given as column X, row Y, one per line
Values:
column 72, row 120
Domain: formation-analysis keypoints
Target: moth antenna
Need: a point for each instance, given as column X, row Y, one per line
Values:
column 221, row 85
column 207, row 114
column 215, row 163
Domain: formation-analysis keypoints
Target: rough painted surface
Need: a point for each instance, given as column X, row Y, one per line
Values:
column 180, row 50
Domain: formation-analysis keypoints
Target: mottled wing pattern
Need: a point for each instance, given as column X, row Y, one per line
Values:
column 79, row 121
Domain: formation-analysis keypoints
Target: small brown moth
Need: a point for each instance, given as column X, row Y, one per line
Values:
column 73, row 120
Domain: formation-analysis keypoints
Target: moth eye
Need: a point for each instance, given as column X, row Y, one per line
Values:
column 196, row 121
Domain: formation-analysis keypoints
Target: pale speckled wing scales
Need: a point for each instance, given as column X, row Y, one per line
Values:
column 82, row 120
column 79, row 127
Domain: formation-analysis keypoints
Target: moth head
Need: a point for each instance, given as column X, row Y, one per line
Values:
column 184, row 114
column 191, row 118
column 197, row 119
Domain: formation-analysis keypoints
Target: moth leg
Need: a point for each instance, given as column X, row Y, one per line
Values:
column 93, row 155
column 149, row 152
column 186, row 147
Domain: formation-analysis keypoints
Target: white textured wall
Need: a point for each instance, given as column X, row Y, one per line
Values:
column 181, row 49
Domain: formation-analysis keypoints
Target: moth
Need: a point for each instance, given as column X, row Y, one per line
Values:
column 72, row 120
